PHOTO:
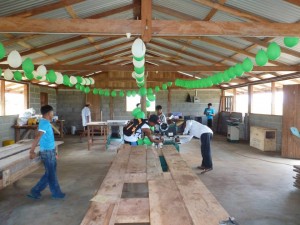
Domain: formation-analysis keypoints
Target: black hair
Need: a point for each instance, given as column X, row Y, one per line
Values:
column 209, row 104
column 87, row 105
column 137, row 105
column 46, row 108
column 158, row 107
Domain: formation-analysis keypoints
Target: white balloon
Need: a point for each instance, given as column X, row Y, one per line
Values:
column 133, row 75
column 73, row 80
column 43, row 78
column 83, row 82
column 35, row 74
column 139, row 75
column 59, row 78
column 14, row 59
column 92, row 81
column 42, row 70
column 138, row 64
column 8, row 74
column 87, row 81
column 138, row 48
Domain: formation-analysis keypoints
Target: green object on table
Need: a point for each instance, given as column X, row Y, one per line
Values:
column 162, row 159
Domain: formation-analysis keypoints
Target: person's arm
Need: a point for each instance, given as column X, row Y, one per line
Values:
column 187, row 127
column 204, row 112
column 213, row 112
column 147, row 133
column 35, row 142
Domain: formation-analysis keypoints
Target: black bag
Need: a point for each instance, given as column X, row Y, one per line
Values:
column 132, row 126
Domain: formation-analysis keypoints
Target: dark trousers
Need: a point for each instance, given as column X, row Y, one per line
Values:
column 209, row 123
column 205, row 150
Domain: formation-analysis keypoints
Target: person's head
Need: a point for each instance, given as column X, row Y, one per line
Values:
column 158, row 109
column 138, row 105
column 87, row 104
column 209, row 105
column 153, row 120
column 47, row 112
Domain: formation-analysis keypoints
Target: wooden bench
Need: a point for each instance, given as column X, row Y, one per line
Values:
column 15, row 162
column 177, row 197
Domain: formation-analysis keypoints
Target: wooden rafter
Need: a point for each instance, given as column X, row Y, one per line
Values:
column 146, row 14
column 213, row 11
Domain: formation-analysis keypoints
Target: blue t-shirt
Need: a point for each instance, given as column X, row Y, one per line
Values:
column 47, row 140
column 208, row 112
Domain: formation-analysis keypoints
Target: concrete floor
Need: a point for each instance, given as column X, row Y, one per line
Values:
column 254, row 187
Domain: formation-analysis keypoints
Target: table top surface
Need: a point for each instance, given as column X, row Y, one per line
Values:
column 97, row 123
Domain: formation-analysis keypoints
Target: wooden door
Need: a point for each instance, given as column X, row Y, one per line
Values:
column 95, row 101
column 291, row 118
column 44, row 98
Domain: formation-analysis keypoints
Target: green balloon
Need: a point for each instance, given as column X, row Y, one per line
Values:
column 151, row 97
column 29, row 76
column 232, row 72
column 247, row 65
column 140, row 84
column 107, row 93
column 140, row 79
column 157, row 89
column 82, row 88
column 95, row 91
column 273, row 51
column 164, row 87
column 101, row 92
column 133, row 93
column 140, row 115
column 79, row 79
column 148, row 103
column 2, row 51
column 51, row 76
column 291, row 41
column 143, row 91
column 114, row 93
column 66, row 80
column 169, row 84
column 77, row 86
column 152, row 128
column 150, row 91
column 128, row 93
column 70, row 85
column 226, row 77
column 140, row 142
column 138, row 58
column 147, row 141
column 261, row 58
column 136, row 111
column 27, row 65
column 139, row 70
column 17, row 75
column 239, row 71
column 87, row 90
column 121, row 93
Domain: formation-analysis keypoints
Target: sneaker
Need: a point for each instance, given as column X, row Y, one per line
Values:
column 59, row 196
column 201, row 167
column 34, row 196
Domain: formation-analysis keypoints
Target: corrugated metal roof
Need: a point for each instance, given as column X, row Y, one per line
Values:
column 279, row 10
column 114, row 42
column 213, row 48
column 77, row 53
column 236, row 42
column 162, row 16
column 10, row 7
column 188, row 7
column 94, row 56
column 64, row 47
column 42, row 40
column 221, row 16
column 92, row 7
column 279, row 40
column 60, row 13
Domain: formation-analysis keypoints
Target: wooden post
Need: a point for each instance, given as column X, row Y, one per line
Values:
column 250, row 96
column 143, row 98
column 273, row 98
column 169, row 102
column 234, row 100
column 2, row 96
column 111, row 108
column 146, row 13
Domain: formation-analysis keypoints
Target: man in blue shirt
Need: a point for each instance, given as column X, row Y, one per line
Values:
column 209, row 112
column 45, row 137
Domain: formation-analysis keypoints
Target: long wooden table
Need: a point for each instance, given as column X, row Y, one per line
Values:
column 91, row 131
column 15, row 162
column 177, row 197
column 29, row 128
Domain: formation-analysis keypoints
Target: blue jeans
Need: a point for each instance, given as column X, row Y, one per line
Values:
column 131, row 143
column 49, row 178
column 206, row 151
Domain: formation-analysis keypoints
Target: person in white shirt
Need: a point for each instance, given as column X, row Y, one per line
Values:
column 145, row 128
column 86, row 118
column 204, row 133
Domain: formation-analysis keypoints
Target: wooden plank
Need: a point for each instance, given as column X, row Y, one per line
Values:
column 162, row 196
column 133, row 210
column 202, row 206
column 146, row 16
column 154, row 169
column 135, row 178
column 137, row 160
column 103, row 203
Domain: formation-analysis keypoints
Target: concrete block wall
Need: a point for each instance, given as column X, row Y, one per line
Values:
column 6, row 131
column 69, row 106
column 270, row 121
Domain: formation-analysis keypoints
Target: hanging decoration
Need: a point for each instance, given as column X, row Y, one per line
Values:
column 291, row 41
column 14, row 59
column 261, row 58
column 273, row 51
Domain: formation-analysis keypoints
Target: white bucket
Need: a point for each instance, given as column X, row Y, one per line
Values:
column 73, row 130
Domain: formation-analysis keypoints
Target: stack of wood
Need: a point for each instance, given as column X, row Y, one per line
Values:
column 297, row 177
column 15, row 162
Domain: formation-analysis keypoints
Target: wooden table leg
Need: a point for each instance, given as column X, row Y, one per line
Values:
column 17, row 134
column 61, row 129
column 88, row 137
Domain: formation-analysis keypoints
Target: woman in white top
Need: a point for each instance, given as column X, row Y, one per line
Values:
column 204, row 133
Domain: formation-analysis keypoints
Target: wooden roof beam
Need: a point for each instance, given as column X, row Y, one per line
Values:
column 146, row 14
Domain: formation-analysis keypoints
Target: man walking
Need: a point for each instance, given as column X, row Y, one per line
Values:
column 210, row 113
column 205, row 134
column 45, row 137
column 86, row 118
